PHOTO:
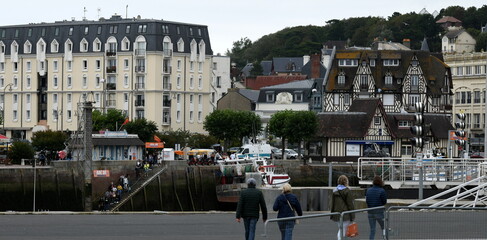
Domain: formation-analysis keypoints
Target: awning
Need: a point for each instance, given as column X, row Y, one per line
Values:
column 378, row 142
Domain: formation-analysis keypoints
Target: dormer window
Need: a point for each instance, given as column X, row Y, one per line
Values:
column 269, row 96
column 27, row 47
column 388, row 79
column 341, row 79
column 372, row 62
column 347, row 62
column 391, row 62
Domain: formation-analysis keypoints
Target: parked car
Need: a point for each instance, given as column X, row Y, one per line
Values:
column 290, row 154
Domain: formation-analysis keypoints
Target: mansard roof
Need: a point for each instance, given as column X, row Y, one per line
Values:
column 432, row 67
column 154, row 34
column 305, row 86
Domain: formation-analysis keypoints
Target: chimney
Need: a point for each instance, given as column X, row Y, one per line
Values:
column 315, row 66
column 305, row 59
column 406, row 42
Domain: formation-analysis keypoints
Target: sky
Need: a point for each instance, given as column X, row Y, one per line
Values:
column 227, row 20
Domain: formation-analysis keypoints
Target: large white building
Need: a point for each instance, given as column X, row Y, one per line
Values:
column 155, row 69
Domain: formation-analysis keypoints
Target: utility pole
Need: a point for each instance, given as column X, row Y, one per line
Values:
column 87, row 155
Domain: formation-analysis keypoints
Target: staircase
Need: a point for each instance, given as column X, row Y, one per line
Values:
column 143, row 181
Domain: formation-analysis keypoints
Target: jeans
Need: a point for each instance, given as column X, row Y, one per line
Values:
column 250, row 224
column 373, row 218
column 345, row 225
column 286, row 228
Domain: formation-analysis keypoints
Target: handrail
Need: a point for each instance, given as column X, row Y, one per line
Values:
column 354, row 211
column 296, row 218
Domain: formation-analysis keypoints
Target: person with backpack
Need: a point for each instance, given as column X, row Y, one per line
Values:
column 287, row 205
column 248, row 208
column 341, row 201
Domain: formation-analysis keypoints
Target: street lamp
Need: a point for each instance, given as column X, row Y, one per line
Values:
column 3, row 106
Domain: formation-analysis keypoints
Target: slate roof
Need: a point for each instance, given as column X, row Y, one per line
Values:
column 433, row 69
column 252, row 95
column 266, row 67
column 305, row 86
column 439, row 123
column 454, row 33
column 288, row 64
column 154, row 33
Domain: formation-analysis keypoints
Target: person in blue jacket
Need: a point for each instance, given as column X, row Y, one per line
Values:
column 287, row 205
column 376, row 197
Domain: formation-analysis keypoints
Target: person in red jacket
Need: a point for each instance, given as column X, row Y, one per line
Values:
column 248, row 208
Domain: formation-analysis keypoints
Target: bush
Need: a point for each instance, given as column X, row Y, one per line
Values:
column 20, row 150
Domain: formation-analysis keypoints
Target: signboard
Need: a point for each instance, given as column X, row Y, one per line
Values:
column 154, row 145
column 101, row 173
column 353, row 149
column 454, row 137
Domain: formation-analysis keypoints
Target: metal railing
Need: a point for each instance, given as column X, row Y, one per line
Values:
column 296, row 218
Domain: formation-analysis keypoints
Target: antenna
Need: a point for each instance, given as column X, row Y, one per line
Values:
column 126, row 11
column 98, row 10
column 84, row 13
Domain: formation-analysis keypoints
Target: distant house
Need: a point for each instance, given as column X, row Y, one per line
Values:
column 239, row 99
column 367, row 126
column 458, row 41
column 448, row 22
column 113, row 145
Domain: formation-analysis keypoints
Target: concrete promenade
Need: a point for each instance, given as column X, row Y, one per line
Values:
column 144, row 226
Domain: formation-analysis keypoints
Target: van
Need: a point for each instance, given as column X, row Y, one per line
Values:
column 254, row 150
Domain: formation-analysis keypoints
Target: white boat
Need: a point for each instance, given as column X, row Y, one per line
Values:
column 234, row 174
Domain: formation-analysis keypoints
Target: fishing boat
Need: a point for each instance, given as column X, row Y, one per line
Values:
column 234, row 174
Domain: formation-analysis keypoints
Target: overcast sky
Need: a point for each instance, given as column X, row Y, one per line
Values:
column 227, row 20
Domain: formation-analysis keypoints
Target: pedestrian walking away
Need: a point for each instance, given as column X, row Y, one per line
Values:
column 287, row 205
column 375, row 197
column 342, row 201
column 248, row 208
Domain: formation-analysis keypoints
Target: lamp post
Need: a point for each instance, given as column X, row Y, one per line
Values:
column 3, row 107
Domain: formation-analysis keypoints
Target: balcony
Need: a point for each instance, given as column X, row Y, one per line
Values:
column 167, row 69
column 140, row 52
column 140, row 69
column 140, row 103
column 111, row 86
column 139, row 85
column 111, row 69
column 167, row 52
column 166, row 103
column 111, row 53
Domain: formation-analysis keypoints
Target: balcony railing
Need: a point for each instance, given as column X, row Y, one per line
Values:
column 139, row 52
column 167, row 69
column 139, row 85
column 111, row 53
column 111, row 69
column 139, row 103
column 166, row 103
column 111, row 86
column 139, row 69
column 167, row 52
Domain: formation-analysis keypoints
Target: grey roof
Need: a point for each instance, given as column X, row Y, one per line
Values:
column 454, row 33
column 252, row 95
column 424, row 45
column 287, row 65
column 117, row 142
column 308, row 83
column 246, row 70
column 154, row 33
column 304, row 86
column 267, row 67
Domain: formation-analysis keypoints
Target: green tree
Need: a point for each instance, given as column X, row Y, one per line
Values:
column 112, row 120
column 238, row 52
column 21, row 150
column 171, row 138
column 294, row 126
column 230, row 125
column 50, row 141
column 481, row 42
column 257, row 69
column 143, row 128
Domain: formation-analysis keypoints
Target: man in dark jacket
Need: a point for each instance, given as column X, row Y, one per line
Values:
column 248, row 208
column 376, row 197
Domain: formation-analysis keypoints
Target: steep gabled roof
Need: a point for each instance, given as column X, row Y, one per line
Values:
column 454, row 33
column 252, row 95
column 288, row 65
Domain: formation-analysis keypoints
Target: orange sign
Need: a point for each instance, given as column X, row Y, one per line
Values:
column 101, row 173
column 154, row 145
column 454, row 137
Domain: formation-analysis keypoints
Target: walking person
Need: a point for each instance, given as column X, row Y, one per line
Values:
column 248, row 208
column 375, row 197
column 287, row 205
column 342, row 201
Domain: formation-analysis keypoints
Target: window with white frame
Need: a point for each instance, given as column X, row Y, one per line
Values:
column 406, row 150
column 15, row 81
column 298, row 96
column 179, row 65
column 178, row 81
column 377, row 120
column 69, row 98
column 98, row 64
column 459, row 71
column 14, row 113
column 404, row 123
column 28, row 81
column 2, row 67
column 414, row 82
column 200, row 114
column 178, row 116
column 69, row 65
column 180, row 45
column 54, row 46
column 388, row 79
column 336, row 98
column 191, row 66
column 390, row 62
column 347, row 62
column 341, row 79
column 55, row 66
column 27, row 98
column 200, row 67
column 69, row 81
column 85, row 65
column 27, row 47
column 27, row 115
column 269, row 96
column 83, row 46
column 191, row 116
column 55, row 81
column 126, row 80
column 346, row 99
column 468, row 70
column 191, row 81
column 28, row 66
column 97, row 45
column 200, row 82
column 372, row 62
column 69, row 115
column 85, row 81
column 126, row 64
column 54, row 98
